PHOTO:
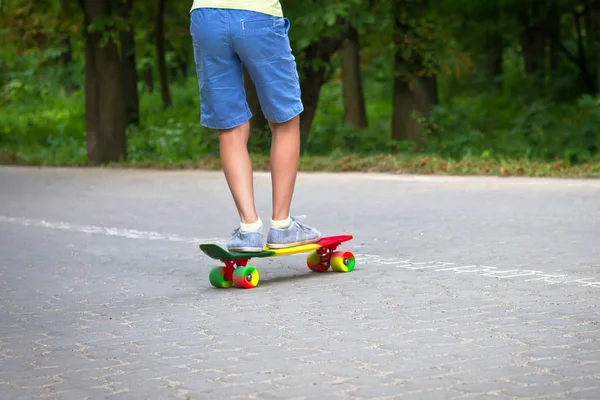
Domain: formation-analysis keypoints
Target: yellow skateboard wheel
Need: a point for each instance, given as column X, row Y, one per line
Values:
column 342, row 261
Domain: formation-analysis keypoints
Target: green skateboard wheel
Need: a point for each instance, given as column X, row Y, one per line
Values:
column 217, row 278
column 245, row 277
column 342, row 261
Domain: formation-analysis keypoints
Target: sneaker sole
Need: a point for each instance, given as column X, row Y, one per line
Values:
column 294, row 244
column 245, row 249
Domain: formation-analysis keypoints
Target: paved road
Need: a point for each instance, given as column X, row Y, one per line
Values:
column 465, row 288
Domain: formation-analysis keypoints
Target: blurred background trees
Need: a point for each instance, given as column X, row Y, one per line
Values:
column 90, row 82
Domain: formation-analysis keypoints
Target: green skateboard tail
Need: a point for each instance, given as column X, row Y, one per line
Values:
column 219, row 253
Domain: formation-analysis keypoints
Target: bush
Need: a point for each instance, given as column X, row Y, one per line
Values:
column 41, row 122
column 495, row 126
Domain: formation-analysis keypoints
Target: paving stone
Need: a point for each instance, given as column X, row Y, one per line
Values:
column 554, row 363
column 587, row 394
column 515, row 390
column 578, row 371
column 124, row 311
column 383, row 391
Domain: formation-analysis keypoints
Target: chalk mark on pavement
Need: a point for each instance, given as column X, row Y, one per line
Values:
column 524, row 275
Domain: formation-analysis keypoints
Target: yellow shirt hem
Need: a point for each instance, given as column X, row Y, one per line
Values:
column 272, row 7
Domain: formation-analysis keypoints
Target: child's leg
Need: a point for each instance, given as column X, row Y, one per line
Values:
column 264, row 48
column 224, row 108
column 285, row 151
column 238, row 170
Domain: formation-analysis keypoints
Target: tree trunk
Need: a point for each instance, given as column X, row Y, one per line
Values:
column 493, row 53
column 104, row 105
column 355, row 113
column 553, row 34
column 597, row 46
column 314, row 75
column 589, row 24
column 426, row 94
column 408, row 99
column 184, row 67
column 404, row 126
column 148, row 73
column 532, row 43
column 258, row 122
column 149, row 78
column 310, row 87
column 132, row 102
column 160, row 53
column 582, row 56
column 67, row 55
column 532, row 40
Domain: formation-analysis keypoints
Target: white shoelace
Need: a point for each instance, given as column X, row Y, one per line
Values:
column 299, row 224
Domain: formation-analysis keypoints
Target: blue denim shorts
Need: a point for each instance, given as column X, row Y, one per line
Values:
column 223, row 40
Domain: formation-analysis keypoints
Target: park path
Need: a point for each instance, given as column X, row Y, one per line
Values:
column 465, row 288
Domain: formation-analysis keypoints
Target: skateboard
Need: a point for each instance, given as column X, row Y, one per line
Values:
column 323, row 255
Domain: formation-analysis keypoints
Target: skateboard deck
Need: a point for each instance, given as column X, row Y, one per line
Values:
column 323, row 255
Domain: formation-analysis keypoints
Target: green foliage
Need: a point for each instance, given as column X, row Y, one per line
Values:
column 42, row 125
column 314, row 19
column 486, row 114
column 47, row 125
column 173, row 134
column 497, row 127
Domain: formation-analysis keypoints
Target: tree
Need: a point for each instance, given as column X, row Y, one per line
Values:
column 319, row 30
column 67, row 55
column 130, row 78
column 315, row 71
column 597, row 46
column 104, row 104
column 415, row 86
column 355, row 113
column 160, row 54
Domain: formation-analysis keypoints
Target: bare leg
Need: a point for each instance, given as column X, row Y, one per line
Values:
column 285, row 153
column 238, row 170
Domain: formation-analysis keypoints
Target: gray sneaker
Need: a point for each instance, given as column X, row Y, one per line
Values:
column 246, row 241
column 294, row 235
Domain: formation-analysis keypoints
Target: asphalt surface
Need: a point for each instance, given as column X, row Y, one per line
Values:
column 465, row 288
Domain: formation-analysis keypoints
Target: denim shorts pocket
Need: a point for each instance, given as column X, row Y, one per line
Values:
column 265, row 37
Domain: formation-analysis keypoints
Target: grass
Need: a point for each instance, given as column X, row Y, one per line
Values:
column 485, row 134
column 381, row 163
